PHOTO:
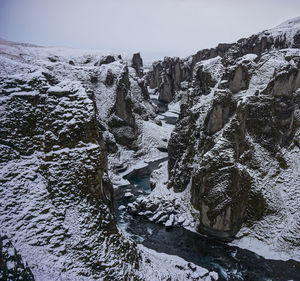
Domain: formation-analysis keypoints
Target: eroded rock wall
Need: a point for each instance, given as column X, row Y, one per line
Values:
column 235, row 138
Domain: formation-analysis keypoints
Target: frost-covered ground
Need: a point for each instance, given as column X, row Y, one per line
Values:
column 287, row 29
column 172, row 266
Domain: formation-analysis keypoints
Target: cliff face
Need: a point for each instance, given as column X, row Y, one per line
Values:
column 120, row 97
column 168, row 75
column 56, row 206
column 236, row 143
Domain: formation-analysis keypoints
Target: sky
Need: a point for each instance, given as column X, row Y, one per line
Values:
column 156, row 28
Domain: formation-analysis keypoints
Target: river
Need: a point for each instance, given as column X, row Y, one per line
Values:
column 231, row 262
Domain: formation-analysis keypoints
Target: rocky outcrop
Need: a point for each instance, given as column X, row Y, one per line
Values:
column 122, row 121
column 33, row 122
column 166, row 75
column 235, row 136
column 137, row 64
column 153, row 76
column 120, row 97
column 123, row 107
column 238, row 79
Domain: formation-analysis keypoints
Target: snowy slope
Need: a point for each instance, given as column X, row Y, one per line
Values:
column 287, row 29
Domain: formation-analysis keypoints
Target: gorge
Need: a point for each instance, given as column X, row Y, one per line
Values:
column 185, row 169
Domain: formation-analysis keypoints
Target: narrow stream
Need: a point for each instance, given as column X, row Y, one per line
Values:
column 231, row 263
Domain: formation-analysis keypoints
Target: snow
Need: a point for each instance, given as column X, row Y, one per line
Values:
column 121, row 208
column 172, row 267
column 288, row 29
column 128, row 195
column 291, row 23
column 170, row 221
column 262, row 248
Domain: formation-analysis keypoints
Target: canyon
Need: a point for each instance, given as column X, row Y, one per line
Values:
column 100, row 153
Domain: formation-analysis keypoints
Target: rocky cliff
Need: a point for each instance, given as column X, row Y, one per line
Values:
column 174, row 74
column 61, row 112
column 236, row 143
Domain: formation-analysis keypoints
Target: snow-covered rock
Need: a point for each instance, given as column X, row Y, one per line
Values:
column 173, row 76
column 235, row 142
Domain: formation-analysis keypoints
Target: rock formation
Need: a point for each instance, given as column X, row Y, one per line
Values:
column 137, row 64
column 236, row 142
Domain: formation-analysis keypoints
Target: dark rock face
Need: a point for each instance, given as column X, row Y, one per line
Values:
column 297, row 40
column 123, row 107
column 203, row 80
column 217, row 146
column 166, row 89
column 109, row 78
column 222, row 108
column 153, row 76
column 106, row 60
column 122, row 123
column 238, row 79
column 123, row 133
column 137, row 64
column 166, row 76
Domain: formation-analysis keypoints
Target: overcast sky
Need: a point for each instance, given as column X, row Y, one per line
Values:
column 154, row 27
